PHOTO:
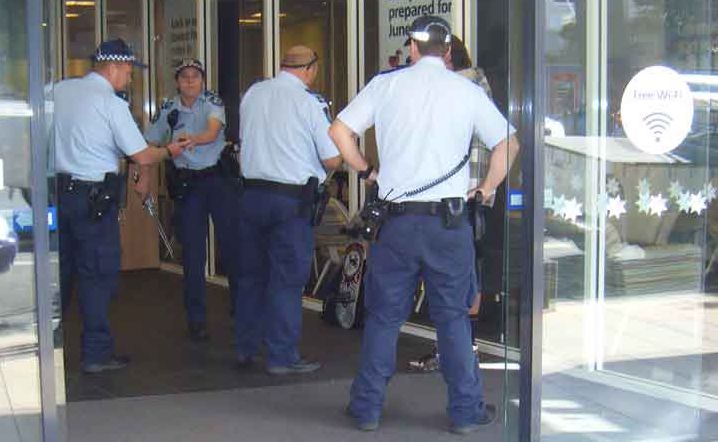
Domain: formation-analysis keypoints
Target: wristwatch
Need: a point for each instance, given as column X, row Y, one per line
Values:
column 364, row 174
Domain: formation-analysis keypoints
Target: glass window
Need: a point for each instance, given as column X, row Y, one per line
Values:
column 630, row 238
column 80, row 36
column 175, row 37
column 320, row 25
column 124, row 20
column 20, row 402
column 240, row 63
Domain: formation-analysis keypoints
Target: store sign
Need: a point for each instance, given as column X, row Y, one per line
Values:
column 395, row 17
column 657, row 110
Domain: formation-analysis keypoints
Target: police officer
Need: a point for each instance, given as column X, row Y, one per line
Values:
column 285, row 147
column 93, row 129
column 425, row 116
column 196, row 184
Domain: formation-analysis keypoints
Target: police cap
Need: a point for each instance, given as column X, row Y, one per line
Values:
column 429, row 28
column 116, row 51
column 189, row 63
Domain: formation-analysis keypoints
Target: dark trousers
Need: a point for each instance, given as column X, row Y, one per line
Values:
column 274, row 264
column 89, row 259
column 209, row 195
column 411, row 247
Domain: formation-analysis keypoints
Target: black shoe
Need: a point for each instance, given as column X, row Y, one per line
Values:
column 114, row 363
column 488, row 419
column 302, row 366
column 198, row 332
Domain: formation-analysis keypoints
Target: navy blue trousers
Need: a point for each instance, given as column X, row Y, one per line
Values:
column 89, row 259
column 411, row 247
column 273, row 267
column 208, row 196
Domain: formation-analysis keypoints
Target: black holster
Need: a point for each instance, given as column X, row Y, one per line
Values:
column 315, row 197
column 453, row 212
column 102, row 196
column 178, row 181
column 229, row 167
column 477, row 212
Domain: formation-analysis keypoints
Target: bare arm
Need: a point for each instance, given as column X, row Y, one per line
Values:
column 151, row 154
column 214, row 126
column 347, row 144
column 502, row 157
column 333, row 163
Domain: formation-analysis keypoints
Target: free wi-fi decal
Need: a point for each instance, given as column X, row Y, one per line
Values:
column 658, row 123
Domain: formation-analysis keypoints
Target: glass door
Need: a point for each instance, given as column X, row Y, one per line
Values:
column 630, row 198
column 29, row 293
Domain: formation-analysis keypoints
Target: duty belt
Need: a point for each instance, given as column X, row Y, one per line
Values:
column 293, row 190
column 416, row 208
column 433, row 208
column 201, row 173
column 66, row 183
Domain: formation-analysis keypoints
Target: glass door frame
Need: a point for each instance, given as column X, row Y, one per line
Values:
column 527, row 20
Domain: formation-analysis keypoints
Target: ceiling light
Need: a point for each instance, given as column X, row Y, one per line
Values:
column 79, row 3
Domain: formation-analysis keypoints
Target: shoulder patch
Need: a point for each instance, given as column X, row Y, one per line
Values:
column 213, row 98
column 166, row 104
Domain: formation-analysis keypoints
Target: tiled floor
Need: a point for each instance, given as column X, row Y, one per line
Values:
column 148, row 323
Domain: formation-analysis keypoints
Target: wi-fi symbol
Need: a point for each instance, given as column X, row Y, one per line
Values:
column 658, row 123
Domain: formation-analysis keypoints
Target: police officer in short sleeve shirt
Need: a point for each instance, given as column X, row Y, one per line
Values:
column 283, row 131
column 425, row 116
column 93, row 129
column 200, row 118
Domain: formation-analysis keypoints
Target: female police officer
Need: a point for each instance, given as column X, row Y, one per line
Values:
column 195, row 183
column 93, row 128
column 425, row 116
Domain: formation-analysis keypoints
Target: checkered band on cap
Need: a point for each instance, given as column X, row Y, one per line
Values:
column 116, row 51
column 114, row 57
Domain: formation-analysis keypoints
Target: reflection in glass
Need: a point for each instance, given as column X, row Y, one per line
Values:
column 629, row 238
column 80, row 40
column 20, row 418
column 124, row 20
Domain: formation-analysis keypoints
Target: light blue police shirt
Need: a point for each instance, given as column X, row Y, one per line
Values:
column 192, row 120
column 425, row 116
column 93, row 128
column 284, row 131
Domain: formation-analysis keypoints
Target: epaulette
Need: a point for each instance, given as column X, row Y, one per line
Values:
column 213, row 98
column 123, row 95
column 323, row 102
column 320, row 98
